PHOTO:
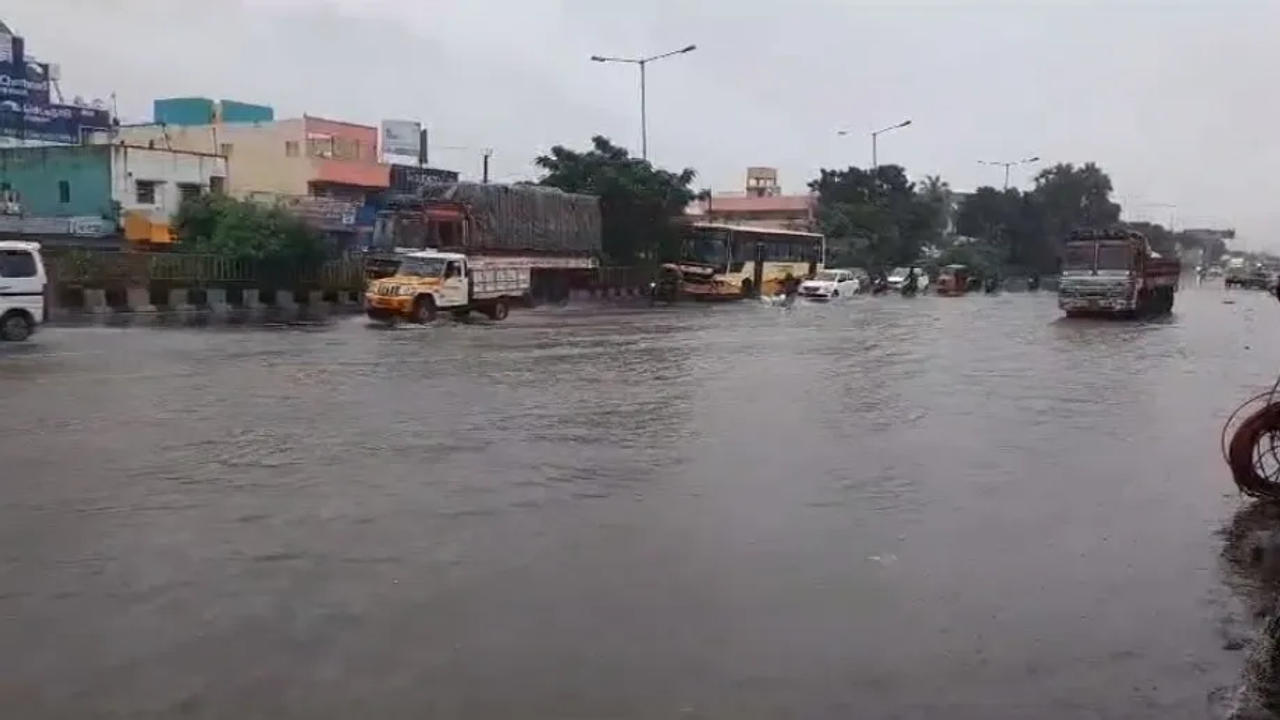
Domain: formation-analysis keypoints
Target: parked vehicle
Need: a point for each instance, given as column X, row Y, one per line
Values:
column 22, row 289
column 897, row 279
column 1115, row 272
column 953, row 280
column 429, row 282
column 829, row 284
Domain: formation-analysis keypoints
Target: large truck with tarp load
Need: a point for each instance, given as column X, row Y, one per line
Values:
column 1115, row 272
column 552, row 236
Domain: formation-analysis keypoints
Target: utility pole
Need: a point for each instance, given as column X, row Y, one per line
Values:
column 642, row 62
column 487, row 153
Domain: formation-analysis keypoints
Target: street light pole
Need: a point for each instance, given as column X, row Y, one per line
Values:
column 875, row 161
column 644, row 116
column 1009, row 164
column 642, row 62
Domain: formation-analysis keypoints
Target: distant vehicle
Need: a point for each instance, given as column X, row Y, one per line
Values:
column 1114, row 272
column 953, row 280
column 22, row 289
column 828, row 284
column 727, row 262
column 1250, row 278
column 1214, row 271
column 898, row 277
column 429, row 281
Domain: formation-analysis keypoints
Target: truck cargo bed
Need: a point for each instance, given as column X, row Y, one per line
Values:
column 496, row 281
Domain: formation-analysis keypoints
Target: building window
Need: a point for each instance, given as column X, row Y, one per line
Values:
column 291, row 148
column 225, row 149
column 217, row 184
column 146, row 192
column 188, row 191
column 64, row 192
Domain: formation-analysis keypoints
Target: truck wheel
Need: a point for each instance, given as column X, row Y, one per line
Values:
column 15, row 327
column 499, row 310
column 424, row 309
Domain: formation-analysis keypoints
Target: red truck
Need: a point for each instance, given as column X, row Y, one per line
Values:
column 1115, row 272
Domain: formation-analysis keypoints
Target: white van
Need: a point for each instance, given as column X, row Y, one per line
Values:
column 22, row 287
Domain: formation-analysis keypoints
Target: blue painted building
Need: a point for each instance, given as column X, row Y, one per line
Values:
column 204, row 111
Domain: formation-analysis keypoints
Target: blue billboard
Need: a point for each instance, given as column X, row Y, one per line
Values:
column 50, row 123
column 26, row 110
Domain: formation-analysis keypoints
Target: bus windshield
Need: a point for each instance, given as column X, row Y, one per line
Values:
column 709, row 247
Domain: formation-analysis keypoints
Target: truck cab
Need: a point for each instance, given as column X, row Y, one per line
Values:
column 1114, row 272
column 429, row 281
column 22, row 289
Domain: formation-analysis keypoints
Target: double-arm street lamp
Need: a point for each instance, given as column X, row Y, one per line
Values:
column 1009, row 164
column 875, row 161
column 644, row 130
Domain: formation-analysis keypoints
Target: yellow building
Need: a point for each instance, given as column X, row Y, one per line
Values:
column 283, row 158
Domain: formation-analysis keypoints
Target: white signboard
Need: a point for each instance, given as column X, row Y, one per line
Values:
column 400, row 137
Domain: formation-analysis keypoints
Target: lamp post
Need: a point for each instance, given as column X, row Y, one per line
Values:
column 644, row 130
column 1009, row 164
column 875, row 161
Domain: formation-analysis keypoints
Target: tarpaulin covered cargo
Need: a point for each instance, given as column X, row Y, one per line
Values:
column 524, row 218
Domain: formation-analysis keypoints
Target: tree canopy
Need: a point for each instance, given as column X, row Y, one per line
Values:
column 877, row 219
column 639, row 203
column 1024, row 230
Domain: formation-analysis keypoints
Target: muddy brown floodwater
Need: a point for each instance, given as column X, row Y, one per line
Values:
column 888, row 507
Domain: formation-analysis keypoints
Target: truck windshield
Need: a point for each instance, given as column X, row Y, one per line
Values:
column 422, row 267
column 1078, row 256
column 1115, row 256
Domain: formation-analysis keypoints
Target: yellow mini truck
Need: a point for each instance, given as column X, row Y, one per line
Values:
column 429, row 282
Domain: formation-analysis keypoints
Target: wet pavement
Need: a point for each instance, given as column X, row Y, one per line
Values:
column 888, row 507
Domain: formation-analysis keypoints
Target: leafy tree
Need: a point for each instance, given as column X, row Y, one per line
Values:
column 1025, row 230
column 639, row 203
column 246, row 230
column 877, row 220
column 1073, row 197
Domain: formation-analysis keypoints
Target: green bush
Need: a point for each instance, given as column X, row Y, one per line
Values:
column 246, row 230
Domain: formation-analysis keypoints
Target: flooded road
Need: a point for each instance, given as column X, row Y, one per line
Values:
column 928, row 507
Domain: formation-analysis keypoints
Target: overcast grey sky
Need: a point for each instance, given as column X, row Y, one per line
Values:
column 1176, row 100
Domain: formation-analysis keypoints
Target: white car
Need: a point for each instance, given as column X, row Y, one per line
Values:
column 898, row 278
column 22, row 287
column 829, row 284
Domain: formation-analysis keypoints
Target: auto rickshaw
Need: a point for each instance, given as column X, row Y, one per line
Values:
column 953, row 280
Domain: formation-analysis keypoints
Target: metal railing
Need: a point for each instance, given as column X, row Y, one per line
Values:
column 105, row 269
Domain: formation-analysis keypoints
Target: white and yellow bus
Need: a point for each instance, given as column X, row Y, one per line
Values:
column 726, row 262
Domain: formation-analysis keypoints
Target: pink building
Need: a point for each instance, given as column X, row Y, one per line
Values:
column 761, row 205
